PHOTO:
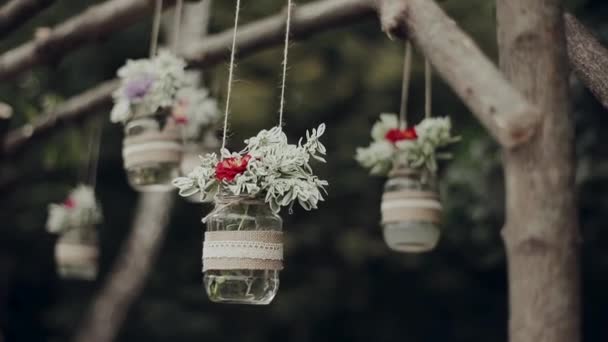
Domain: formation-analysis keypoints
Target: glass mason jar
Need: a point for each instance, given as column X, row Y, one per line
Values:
column 411, row 211
column 76, row 253
column 152, row 153
column 242, row 226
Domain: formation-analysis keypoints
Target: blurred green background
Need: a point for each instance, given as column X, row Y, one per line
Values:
column 341, row 283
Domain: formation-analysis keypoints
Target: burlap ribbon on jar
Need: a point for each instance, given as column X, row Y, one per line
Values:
column 411, row 205
column 73, row 253
column 250, row 250
column 152, row 147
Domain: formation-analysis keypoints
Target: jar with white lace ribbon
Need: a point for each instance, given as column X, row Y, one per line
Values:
column 152, row 152
column 242, row 251
column 411, row 210
column 76, row 253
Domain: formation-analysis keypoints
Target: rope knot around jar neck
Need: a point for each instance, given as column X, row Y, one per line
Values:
column 229, row 199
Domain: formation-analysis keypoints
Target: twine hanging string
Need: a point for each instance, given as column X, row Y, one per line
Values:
column 158, row 9
column 428, row 89
column 88, row 167
column 177, row 24
column 285, row 53
column 231, row 72
column 94, row 149
column 407, row 70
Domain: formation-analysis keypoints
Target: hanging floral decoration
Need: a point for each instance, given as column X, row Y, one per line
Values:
column 79, row 209
column 268, row 168
column 148, row 85
column 196, row 111
column 414, row 147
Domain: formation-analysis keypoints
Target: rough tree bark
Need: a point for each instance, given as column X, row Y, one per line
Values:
column 16, row 12
column 588, row 58
column 541, row 232
column 129, row 273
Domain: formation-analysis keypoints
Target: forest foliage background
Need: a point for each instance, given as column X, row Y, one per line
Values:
column 341, row 283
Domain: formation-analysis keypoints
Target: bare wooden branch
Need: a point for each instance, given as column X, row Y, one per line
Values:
column 588, row 58
column 16, row 12
column 130, row 271
column 96, row 22
column 73, row 110
column 505, row 113
column 541, row 233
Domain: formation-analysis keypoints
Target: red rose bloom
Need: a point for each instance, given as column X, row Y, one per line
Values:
column 180, row 119
column 69, row 203
column 397, row 134
column 227, row 169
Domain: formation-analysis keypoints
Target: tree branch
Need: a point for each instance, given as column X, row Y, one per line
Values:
column 503, row 111
column 96, row 22
column 17, row 12
column 130, row 271
column 72, row 110
column 588, row 58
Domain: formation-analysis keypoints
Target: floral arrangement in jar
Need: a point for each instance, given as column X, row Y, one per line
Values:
column 268, row 168
column 148, row 86
column 152, row 146
column 243, row 249
column 74, row 221
column 411, row 210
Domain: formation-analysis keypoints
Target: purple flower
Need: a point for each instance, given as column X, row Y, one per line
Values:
column 138, row 87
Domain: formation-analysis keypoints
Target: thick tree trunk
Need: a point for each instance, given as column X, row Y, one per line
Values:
column 541, row 233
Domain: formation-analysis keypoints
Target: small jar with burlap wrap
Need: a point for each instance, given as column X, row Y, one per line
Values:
column 152, row 152
column 242, row 251
column 411, row 210
column 76, row 253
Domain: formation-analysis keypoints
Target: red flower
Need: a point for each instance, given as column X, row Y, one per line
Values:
column 227, row 169
column 396, row 134
column 69, row 203
column 179, row 112
column 180, row 119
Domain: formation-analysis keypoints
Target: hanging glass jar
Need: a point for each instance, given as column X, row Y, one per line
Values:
column 242, row 251
column 76, row 253
column 411, row 211
column 152, row 152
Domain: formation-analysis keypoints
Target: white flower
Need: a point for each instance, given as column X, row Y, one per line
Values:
column 199, row 109
column 148, row 85
column 381, row 127
column 377, row 157
column 80, row 209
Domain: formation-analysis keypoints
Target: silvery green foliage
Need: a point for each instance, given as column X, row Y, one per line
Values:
column 199, row 108
column 148, row 85
column 82, row 211
column 421, row 153
column 278, row 172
